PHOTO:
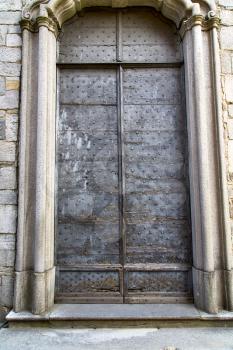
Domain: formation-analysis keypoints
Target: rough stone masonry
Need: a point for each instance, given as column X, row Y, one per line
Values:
column 10, row 70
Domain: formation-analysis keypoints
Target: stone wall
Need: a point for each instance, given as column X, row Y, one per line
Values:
column 10, row 66
column 10, row 69
column 226, row 45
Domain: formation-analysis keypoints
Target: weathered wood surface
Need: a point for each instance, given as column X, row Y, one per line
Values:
column 138, row 35
column 123, row 193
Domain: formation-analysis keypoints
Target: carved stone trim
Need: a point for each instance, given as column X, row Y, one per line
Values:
column 40, row 22
column 207, row 23
column 58, row 11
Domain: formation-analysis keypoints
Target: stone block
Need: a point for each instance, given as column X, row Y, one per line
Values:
column 7, row 151
column 2, row 129
column 230, row 191
column 10, row 69
column 14, row 29
column 2, row 86
column 230, row 110
column 10, row 54
column 3, row 32
column 230, row 129
column 7, row 250
column 11, row 127
column 229, row 88
column 230, row 156
column 7, row 178
column 12, row 83
column 10, row 100
column 226, row 38
column 6, row 289
column 10, row 17
column 13, row 40
column 226, row 3
column 8, row 197
column 226, row 17
column 8, row 215
column 226, row 62
column 10, row 5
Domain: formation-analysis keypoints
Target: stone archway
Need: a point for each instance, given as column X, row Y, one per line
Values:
column 212, row 268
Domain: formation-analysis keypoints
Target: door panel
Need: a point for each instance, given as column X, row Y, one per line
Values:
column 88, row 199
column 156, row 194
column 147, row 38
column 130, row 35
column 96, row 39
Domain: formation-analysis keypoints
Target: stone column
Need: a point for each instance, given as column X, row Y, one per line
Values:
column 204, row 168
column 226, row 228
column 43, row 285
column 34, row 287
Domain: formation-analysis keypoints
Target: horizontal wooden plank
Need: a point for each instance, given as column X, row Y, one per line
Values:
column 157, row 267
column 88, row 282
column 160, row 282
column 90, row 267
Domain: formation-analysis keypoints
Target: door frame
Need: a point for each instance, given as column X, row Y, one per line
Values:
column 212, row 256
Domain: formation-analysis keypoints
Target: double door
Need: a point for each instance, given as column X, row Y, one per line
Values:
column 123, row 231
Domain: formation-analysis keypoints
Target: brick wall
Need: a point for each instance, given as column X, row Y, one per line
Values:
column 10, row 67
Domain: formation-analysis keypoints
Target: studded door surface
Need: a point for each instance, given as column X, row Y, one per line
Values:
column 123, row 230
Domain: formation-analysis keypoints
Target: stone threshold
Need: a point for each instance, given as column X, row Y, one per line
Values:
column 104, row 315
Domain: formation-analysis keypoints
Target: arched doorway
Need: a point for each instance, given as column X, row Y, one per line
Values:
column 123, row 222
column 42, row 23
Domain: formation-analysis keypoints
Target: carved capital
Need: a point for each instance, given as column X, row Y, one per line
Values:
column 207, row 23
column 41, row 21
column 29, row 9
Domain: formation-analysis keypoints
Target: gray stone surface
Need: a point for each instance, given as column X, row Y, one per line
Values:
column 8, row 197
column 7, row 17
column 10, row 54
column 10, row 5
column 93, row 312
column 117, row 339
column 11, row 127
column 7, row 254
column 8, row 212
column 13, row 40
column 7, row 178
column 10, row 69
column 3, row 31
column 229, row 88
column 226, row 3
column 7, row 151
column 10, row 100
column 2, row 129
column 226, row 38
column 2, row 83
column 6, row 289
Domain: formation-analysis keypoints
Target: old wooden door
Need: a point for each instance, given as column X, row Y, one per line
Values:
column 123, row 230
